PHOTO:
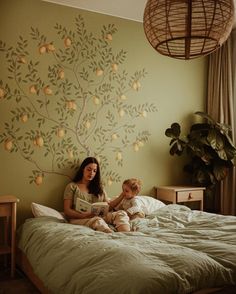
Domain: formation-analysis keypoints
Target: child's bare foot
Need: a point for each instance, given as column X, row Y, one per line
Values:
column 108, row 230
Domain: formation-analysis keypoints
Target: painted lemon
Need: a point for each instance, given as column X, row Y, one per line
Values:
column 67, row 42
column 2, row 93
column 114, row 67
column 38, row 180
column 39, row 141
column 50, row 48
column 32, row 89
column 109, row 182
column 70, row 154
column 60, row 133
column 99, row 72
column 114, row 136
column 87, row 124
column 96, row 100
column 109, row 37
column 144, row 113
column 47, row 90
column 136, row 147
column 118, row 156
column 140, row 143
column 135, row 86
column 121, row 112
column 24, row 118
column 21, row 59
column 8, row 144
column 42, row 49
column 69, row 104
column 61, row 74
column 73, row 105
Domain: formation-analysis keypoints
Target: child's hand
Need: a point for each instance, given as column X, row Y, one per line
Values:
column 129, row 215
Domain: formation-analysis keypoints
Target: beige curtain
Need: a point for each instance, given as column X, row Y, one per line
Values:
column 221, row 105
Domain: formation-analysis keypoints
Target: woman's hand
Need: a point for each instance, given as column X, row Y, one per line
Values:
column 87, row 214
column 72, row 213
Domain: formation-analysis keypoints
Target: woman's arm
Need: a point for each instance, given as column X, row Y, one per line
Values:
column 72, row 213
column 113, row 203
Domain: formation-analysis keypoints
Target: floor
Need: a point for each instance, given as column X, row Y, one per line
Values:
column 18, row 284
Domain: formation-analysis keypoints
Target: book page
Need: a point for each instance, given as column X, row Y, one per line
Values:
column 100, row 208
column 82, row 205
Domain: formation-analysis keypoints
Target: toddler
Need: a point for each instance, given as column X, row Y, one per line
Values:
column 134, row 205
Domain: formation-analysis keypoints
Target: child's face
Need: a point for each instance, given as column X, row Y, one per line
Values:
column 127, row 192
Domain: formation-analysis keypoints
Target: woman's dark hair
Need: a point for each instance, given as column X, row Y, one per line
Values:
column 95, row 186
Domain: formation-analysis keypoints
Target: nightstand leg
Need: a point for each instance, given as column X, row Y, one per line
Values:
column 201, row 205
column 6, row 236
column 13, row 240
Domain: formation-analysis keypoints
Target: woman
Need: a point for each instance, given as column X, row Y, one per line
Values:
column 87, row 186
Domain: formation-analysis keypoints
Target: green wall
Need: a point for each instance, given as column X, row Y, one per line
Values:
column 56, row 107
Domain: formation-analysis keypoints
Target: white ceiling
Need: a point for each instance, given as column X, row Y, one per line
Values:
column 129, row 9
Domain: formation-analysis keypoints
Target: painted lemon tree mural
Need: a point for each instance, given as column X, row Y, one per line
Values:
column 72, row 98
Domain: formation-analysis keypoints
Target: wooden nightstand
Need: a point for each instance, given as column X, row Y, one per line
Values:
column 8, row 211
column 177, row 194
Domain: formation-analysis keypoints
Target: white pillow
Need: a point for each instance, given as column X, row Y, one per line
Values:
column 41, row 210
column 151, row 204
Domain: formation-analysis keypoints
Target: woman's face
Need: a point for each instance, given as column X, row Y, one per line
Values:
column 90, row 171
column 127, row 192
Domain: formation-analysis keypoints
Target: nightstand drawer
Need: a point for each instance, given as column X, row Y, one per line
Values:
column 180, row 194
column 185, row 196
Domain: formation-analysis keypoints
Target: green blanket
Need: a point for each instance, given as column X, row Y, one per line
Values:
column 175, row 250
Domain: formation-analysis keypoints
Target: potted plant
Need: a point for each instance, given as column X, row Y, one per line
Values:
column 211, row 152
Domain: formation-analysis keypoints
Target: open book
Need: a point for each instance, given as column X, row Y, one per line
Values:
column 97, row 208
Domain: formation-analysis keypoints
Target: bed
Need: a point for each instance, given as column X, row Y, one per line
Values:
column 174, row 250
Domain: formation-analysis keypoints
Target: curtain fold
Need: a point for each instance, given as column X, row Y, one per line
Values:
column 221, row 105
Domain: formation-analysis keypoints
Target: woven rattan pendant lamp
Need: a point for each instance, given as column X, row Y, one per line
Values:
column 187, row 29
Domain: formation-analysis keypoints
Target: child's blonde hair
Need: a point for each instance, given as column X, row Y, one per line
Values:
column 134, row 184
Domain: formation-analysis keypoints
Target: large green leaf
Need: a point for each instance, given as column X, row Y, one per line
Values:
column 230, row 141
column 230, row 151
column 203, row 177
column 206, row 116
column 173, row 131
column 222, row 154
column 215, row 139
column 223, row 128
column 200, row 127
column 220, row 171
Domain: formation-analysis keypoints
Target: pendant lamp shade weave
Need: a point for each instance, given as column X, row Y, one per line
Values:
column 187, row 29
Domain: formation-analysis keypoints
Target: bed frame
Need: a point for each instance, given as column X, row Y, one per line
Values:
column 25, row 266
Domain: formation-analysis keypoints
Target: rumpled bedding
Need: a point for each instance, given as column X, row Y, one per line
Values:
column 174, row 250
